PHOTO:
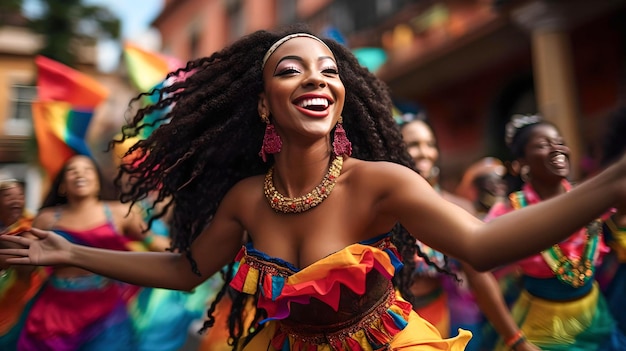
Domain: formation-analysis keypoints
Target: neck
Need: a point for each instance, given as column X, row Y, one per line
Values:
column 296, row 172
column 80, row 203
column 547, row 190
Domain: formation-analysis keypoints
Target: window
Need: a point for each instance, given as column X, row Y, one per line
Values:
column 236, row 20
column 20, row 119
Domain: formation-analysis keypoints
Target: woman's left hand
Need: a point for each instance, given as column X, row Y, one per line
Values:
column 41, row 248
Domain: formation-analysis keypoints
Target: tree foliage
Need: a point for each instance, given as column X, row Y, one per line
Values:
column 66, row 25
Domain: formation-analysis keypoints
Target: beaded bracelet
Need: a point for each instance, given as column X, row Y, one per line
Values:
column 515, row 340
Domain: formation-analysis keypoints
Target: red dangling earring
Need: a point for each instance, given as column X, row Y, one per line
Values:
column 341, row 144
column 272, row 143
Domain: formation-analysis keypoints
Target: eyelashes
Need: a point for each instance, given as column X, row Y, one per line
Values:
column 292, row 70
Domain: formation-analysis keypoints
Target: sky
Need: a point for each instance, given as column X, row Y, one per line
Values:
column 135, row 15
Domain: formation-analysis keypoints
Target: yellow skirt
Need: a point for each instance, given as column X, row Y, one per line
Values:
column 417, row 335
column 579, row 324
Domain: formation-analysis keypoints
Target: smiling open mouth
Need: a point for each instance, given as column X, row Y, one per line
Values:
column 315, row 104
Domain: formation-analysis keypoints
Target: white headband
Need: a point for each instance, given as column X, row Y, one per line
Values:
column 282, row 40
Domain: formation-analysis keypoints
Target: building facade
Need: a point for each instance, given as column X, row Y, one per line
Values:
column 469, row 64
column 18, row 147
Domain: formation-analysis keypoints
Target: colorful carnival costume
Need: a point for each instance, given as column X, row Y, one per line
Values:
column 615, row 291
column 344, row 301
column 161, row 317
column 561, row 307
column 452, row 306
column 433, row 307
column 18, row 287
column 84, row 313
column 217, row 338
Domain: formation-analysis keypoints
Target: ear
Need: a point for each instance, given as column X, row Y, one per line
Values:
column 262, row 107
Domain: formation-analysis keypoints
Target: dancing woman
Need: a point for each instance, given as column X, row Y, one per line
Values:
column 18, row 284
column 78, row 310
column 614, row 144
column 322, row 227
column 465, row 299
column 561, row 307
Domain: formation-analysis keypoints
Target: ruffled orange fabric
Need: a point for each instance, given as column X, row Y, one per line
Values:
column 438, row 314
column 418, row 335
column 21, row 225
column 279, row 284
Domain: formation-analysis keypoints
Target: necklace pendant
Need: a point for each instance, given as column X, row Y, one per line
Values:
column 283, row 204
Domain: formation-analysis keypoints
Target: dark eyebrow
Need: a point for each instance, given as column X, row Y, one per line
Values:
column 298, row 58
column 290, row 57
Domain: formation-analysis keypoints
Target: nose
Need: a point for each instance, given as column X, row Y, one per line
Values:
column 315, row 79
column 421, row 150
column 413, row 151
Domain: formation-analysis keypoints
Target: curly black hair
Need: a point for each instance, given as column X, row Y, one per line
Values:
column 211, row 136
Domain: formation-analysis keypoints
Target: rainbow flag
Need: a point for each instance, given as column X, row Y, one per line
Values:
column 148, row 70
column 62, row 113
column 57, row 82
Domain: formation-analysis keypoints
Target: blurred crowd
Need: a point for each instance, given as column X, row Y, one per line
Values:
column 67, row 309
column 567, row 297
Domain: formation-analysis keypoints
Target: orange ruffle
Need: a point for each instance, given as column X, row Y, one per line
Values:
column 417, row 335
column 21, row 225
column 280, row 285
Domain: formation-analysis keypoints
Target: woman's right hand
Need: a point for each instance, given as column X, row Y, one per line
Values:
column 40, row 248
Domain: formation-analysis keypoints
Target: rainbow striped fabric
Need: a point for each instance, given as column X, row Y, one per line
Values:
column 147, row 71
column 62, row 112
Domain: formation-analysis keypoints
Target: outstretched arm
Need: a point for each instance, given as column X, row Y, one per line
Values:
column 449, row 229
column 213, row 249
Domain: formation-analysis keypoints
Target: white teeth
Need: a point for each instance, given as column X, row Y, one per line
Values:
column 559, row 158
column 313, row 102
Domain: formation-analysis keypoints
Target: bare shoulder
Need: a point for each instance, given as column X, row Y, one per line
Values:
column 379, row 174
column 374, row 167
column 120, row 209
column 244, row 193
column 45, row 218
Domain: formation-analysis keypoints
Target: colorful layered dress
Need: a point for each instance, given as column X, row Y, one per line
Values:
column 86, row 313
column 306, row 308
column 18, row 287
column 433, row 307
column 452, row 306
column 560, row 307
column 615, row 290
column 161, row 317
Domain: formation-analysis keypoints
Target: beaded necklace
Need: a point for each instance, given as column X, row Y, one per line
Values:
column 575, row 272
column 281, row 203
